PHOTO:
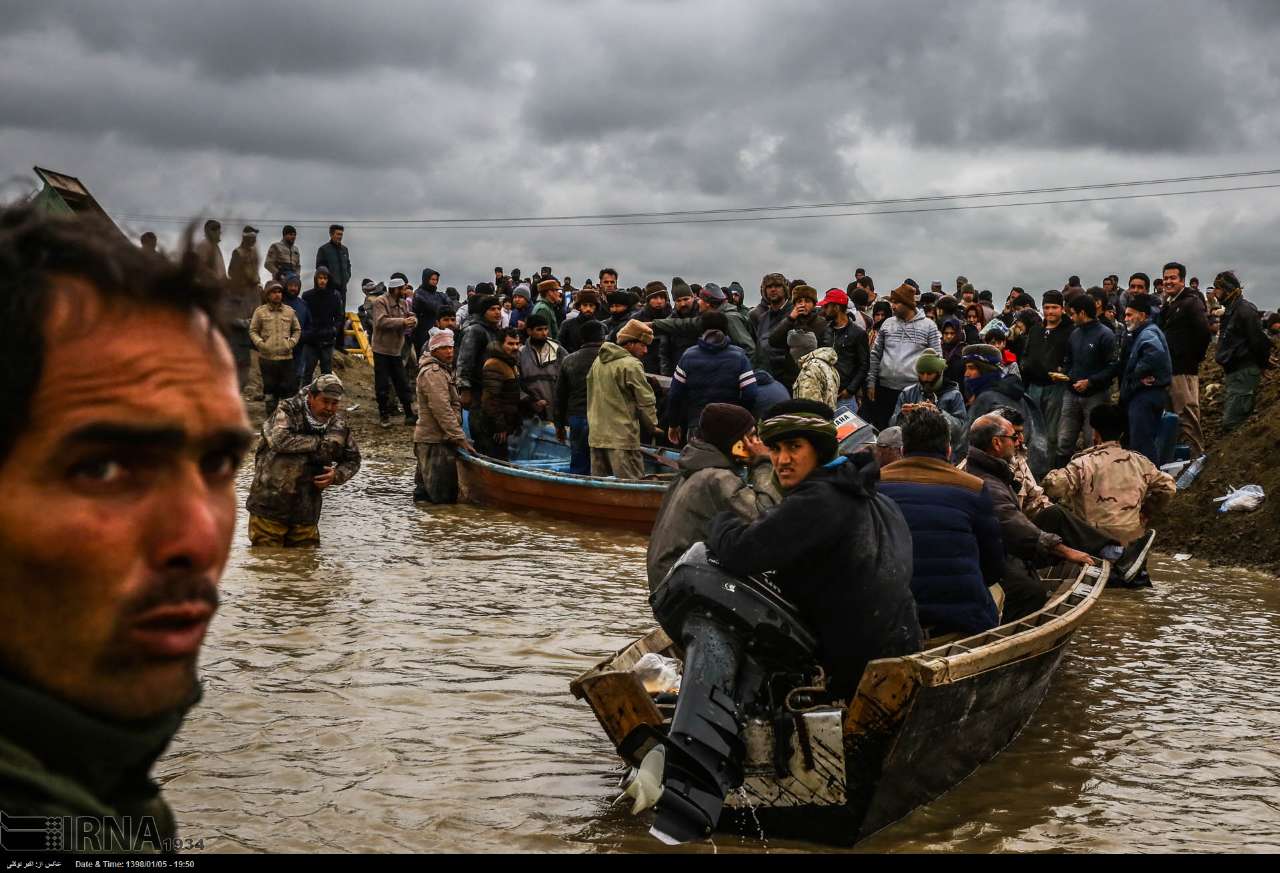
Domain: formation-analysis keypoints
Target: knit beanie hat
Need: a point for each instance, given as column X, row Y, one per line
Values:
column 805, row 292
column 479, row 304
column 635, row 331
column 969, row 289
column 522, row 290
column 592, row 331
column 801, row 342
column 325, row 270
column 903, row 294
column 655, row 289
column 930, row 362
column 985, row 357
column 536, row 320
column 440, row 338
column 680, row 288
column 723, row 424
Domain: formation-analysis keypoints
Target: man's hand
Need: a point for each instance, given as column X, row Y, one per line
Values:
column 673, row 435
column 1148, row 380
column 465, row 396
column 844, row 394
column 1074, row 556
column 1080, row 385
column 907, row 407
column 871, row 393
column 325, row 479
column 465, row 443
column 561, row 436
column 411, row 321
column 755, row 447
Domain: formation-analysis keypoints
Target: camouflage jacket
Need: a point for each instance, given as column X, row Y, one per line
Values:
column 1030, row 495
column 1110, row 488
column 290, row 453
column 818, row 378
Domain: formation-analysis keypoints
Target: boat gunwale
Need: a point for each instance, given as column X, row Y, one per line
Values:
column 505, row 468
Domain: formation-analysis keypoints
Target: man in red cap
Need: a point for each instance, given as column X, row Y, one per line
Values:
column 853, row 353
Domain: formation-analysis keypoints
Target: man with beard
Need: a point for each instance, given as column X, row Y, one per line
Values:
column 570, row 407
column 1043, row 355
column 622, row 308
column 120, row 436
column 853, row 351
column 656, row 306
column 802, row 316
column 481, row 331
column 989, row 389
column 438, row 434
column 1244, row 350
column 539, row 362
column 933, row 390
column 499, row 415
column 587, row 304
column 673, row 346
column 899, row 341
column 773, row 307
column 305, row 448
column 550, row 297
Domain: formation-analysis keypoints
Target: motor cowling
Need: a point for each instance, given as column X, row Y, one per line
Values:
column 735, row 633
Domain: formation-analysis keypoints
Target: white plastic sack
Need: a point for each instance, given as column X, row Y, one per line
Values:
column 1244, row 499
column 658, row 674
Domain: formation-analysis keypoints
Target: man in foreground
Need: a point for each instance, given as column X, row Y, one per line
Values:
column 438, row 434
column 120, row 437
column 710, row 482
column 839, row 551
column 306, row 447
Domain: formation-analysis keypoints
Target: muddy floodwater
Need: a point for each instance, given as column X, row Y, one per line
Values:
column 405, row 688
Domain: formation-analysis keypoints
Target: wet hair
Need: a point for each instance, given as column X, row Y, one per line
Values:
column 925, row 429
column 35, row 249
column 1108, row 420
column 1174, row 265
column 1084, row 303
column 713, row 319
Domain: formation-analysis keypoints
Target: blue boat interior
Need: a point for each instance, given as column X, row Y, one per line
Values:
column 536, row 448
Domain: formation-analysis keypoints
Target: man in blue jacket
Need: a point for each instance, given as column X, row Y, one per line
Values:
column 713, row 371
column 1145, row 377
column 1090, row 364
column 957, row 550
column 932, row 389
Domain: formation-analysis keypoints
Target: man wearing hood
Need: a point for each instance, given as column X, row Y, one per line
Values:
column 769, row 391
column 622, row 308
column 933, row 390
column 734, row 292
column 838, row 550
column 484, row 315
column 620, row 404
column 803, row 316
column 539, row 363
column 988, row 389
column 293, row 299
column 817, row 377
column 325, row 312
column 587, row 305
column 773, row 307
column 1244, row 350
column 500, row 398
column 899, row 341
column 570, row 407
column 713, row 371
column 428, row 300
column 711, row 481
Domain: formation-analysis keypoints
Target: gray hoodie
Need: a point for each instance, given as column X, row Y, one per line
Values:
column 898, row 345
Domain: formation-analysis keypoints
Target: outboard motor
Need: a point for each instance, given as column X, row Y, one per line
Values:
column 737, row 634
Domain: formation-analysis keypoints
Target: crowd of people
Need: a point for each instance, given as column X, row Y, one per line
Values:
column 1007, row 440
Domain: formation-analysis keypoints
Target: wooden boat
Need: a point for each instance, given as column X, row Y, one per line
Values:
column 537, row 478
column 916, row 727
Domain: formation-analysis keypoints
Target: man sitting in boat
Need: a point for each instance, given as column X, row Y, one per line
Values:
column 957, row 551
column 1113, row 488
column 992, row 443
column 710, row 482
column 838, row 550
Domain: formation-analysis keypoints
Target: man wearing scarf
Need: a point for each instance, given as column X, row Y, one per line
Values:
column 840, row 551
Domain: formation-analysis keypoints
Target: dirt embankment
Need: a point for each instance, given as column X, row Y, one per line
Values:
column 1248, row 456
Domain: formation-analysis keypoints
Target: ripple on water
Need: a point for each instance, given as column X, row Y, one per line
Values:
column 404, row 687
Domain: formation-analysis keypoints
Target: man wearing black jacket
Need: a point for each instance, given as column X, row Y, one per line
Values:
column 428, row 300
column 1185, row 323
column 334, row 256
column 1045, row 353
column 1244, row 350
column 1091, row 365
column 326, row 309
column 853, row 352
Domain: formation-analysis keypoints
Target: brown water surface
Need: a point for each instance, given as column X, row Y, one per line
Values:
column 404, row 687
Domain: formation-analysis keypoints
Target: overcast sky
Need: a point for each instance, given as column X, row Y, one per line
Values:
column 342, row 111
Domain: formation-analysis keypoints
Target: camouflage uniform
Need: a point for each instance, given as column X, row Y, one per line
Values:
column 818, row 378
column 284, row 505
column 1110, row 488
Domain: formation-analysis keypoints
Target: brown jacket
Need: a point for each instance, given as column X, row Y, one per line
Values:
column 282, row 256
column 500, row 402
column 439, row 408
column 243, row 271
column 1111, row 488
column 388, row 325
column 275, row 331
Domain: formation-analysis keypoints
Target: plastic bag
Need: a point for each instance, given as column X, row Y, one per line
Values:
column 659, row 674
column 1244, row 499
